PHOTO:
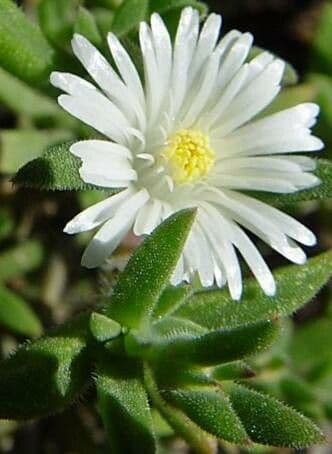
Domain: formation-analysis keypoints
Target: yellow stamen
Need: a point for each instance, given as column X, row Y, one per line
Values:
column 189, row 155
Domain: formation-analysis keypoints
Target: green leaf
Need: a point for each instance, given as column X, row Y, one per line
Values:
column 211, row 410
column 215, row 347
column 163, row 6
column 21, row 259
column 86, row 25
column 46, row 375
column 296, row 285
column 103, row 328
column 320, row 192
column 171, row 299
column 56, row 169
column 57, row 19
column 148, row 271
column 128, row 16
column 24, row 51
column 237, row 370
column 269, row 422
column 16, row 315
column 18, row 147
column 124, row 407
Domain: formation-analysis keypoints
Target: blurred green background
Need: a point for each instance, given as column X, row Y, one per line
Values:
column 41, row 281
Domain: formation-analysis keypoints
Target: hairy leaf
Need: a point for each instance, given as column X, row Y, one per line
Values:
column 24, row 51
column 170, row 299
column 296, row 285
column 148, row 271
column 124, row 407
column 217, row 346
column 212, row 411
column 56, row 169
column 103, row 328
column 46, row 375
column 269, row 422
column 235, row 370
column 16, row 315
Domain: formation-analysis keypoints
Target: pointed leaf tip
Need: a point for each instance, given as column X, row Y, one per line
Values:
column 149, row 271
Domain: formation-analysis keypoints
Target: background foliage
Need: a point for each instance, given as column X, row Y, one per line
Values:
column 41, row 284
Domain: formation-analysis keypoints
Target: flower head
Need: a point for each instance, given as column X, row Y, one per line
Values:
column 189, row 136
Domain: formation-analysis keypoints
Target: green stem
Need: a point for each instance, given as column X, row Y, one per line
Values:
column 199, row 440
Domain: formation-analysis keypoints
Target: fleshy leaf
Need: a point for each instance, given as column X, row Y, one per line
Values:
column 16, row 315
column 56, row 20
column 320, row 192
column 24, row 51
column 56, row 169
column 86, row 25
column 212, row 411
column 296, row 285
column 46, row 375
column 215, row 347
column 149, row 271
column 170, row 299
column 128, row 16
column 103, row 328
column 124, row 407
column 164, row 6
column 236, row 370
column 269, row 422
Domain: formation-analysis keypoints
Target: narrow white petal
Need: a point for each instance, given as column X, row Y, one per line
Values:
column 184, row 48
column 227, row 260
column 97, row 214
column 70, row 83
column 254, row 183
column 206, row 43
column 285, row 223
column 148, row 217
column 100, row 149
column 113, row 231
column 112, row 178
column 126, row 67
column 205, row 262
column 97, row 111
column 103, row 74
column 233, row 60
column 254, row 98
column 257, row 65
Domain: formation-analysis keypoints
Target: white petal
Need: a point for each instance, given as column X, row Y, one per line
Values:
column 206, row 43
column 126, row 67
column 113, row 231
column 233, row 60
column 227, row 260
column 253, row 258
column 97, row 214
column 97, row 111
column 70, row 83
column 254, row 98
column 148, row 217
column 104, row 75
column 285, row 223
column 205, row 263
column 184, row 47
column 99, row 150
column 257, row 64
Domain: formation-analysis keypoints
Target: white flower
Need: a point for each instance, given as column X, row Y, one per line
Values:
column 190, row 137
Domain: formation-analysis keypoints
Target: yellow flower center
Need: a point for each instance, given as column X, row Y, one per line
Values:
column 189, row 155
